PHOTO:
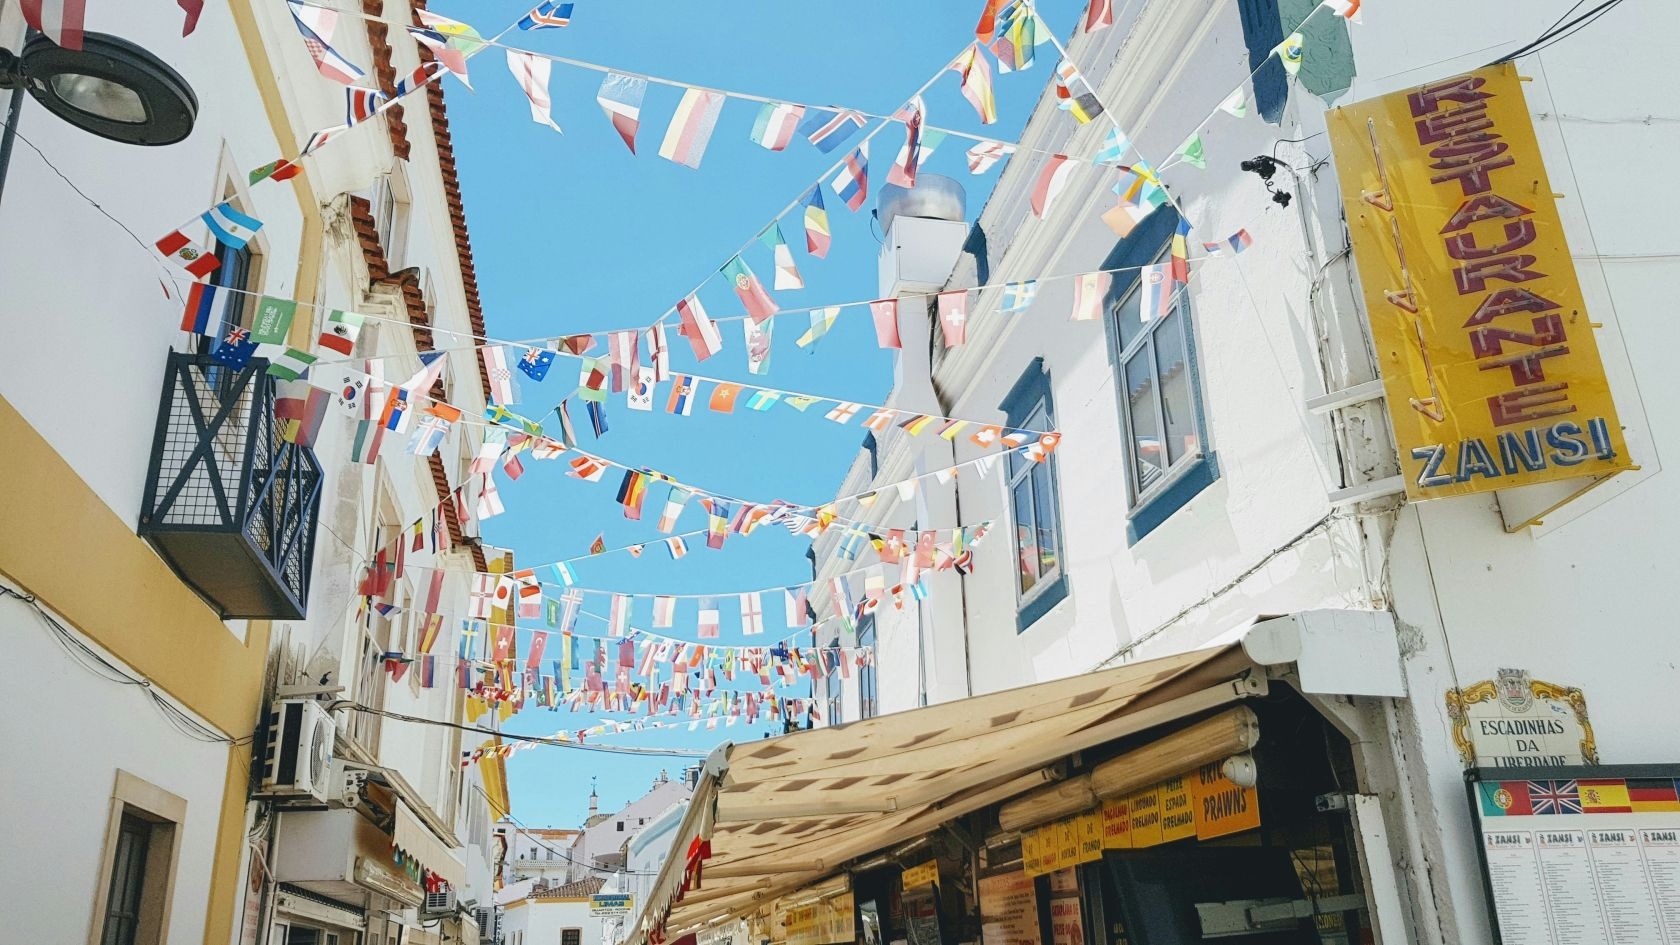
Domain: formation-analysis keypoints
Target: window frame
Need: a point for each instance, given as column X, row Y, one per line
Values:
column 135, row 801
column 1031, row 394
column 1185, row 478
column 868, row 683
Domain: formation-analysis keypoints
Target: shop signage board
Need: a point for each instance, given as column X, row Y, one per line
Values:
column 1008, row 910
column 610, row 905
column 1067, row 925
column 1090, row 836
column 1515, row 721
column 825, row 922
column 1146, row 817
column 1489, row 364
column 1178, row 818
column 925, row 874
column 1221, row 806
column 1117, row 823
column 1579, row 855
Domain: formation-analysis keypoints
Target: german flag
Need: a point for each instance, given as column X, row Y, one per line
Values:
column 1653, row 794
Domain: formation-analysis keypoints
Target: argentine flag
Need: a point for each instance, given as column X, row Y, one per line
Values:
column 231, row 227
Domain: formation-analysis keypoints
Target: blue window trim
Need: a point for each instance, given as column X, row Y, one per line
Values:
column 1032, row 388
column 1183, row 484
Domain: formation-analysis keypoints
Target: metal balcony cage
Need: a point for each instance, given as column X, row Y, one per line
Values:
column 229, row 503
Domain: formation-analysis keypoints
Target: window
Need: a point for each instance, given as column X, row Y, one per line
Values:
column 621, row 826
column 1034, row 503
column 390, row 216
column 571, row 937
column 866, row 672
column 1164, row 431
column 139, row 864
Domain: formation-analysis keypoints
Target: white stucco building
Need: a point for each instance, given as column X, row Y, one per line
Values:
column 166, row 677
column 1232, row 458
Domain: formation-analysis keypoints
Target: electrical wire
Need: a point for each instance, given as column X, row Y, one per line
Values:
column 96, row 663
column 530, row 739
column 1555, row 34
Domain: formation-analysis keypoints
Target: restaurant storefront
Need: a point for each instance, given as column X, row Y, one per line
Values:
column 1209, row 794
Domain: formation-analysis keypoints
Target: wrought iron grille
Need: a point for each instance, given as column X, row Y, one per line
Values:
column 229, row 503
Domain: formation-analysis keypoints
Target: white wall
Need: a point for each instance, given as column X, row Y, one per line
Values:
column 540, row 922
column 68, row 736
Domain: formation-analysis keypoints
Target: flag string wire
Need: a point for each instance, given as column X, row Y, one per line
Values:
column 596, row 67
column 539, row 343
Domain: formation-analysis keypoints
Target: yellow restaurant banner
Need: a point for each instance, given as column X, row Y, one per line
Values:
column 1489, row 364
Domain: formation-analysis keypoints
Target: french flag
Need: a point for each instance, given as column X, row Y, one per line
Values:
column 852, row 184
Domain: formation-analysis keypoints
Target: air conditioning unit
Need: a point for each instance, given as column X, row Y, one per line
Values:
column 438, row 904
column 486, row 917
column 297, row 760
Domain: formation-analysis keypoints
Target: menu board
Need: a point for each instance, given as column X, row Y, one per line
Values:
column 1580, row 855
column 1008, row 910
column 921, row 919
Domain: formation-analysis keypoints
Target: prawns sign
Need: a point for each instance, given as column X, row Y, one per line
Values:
column 1490, row 368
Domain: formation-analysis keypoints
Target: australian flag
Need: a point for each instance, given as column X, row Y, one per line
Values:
column 236, row 349
column 536, row 362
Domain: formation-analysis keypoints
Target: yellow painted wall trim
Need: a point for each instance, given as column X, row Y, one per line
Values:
column 63, row 544
column 274, row 106
column 227, row 892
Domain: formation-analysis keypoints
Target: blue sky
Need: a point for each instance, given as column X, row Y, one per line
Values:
column 571, row 233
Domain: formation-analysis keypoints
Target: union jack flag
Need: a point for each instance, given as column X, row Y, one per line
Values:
column 1554, row 797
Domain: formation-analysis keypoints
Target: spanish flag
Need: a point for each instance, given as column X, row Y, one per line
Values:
column 1605, row 796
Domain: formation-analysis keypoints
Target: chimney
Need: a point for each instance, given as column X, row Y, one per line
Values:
column 925, row 229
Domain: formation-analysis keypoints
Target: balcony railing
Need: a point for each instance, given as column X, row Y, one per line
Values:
column 229, row 503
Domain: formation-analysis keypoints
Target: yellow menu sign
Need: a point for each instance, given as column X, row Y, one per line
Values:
column 1220, row 805
column 1146, row 817
column 924, row 875
column 1090, row 836
column 1178, row 820
column 1489, row 364
column 1117, row 823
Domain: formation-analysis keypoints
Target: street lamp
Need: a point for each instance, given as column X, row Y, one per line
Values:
column 110, row 87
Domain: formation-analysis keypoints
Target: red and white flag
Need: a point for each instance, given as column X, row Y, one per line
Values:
column 60, row 20
column 1051, row 180
column 886, row 322
column 502, row 389
column 659, row 353
column 531, row 72
column 701, row 331
column 843, row 412
column 752, row 614
column 953, row 317
column 903, row 171
column 708, row 619
column 880, row 419
column 183, row 251
column 794, row 600
column 1099, row 15
column 982, row 156
column 664, row 609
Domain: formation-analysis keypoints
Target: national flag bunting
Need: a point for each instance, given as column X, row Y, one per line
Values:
column 953, row 317
column 982, row 156
column 60, row 20
column 496, row 370
column 1113, row 149
column 531, row 71
column 682, row 396
column 1099, row 14
column 851, row 185
column 903, row 170
column 828, row 128
column 620, row 96
column 976, row 75
column 691, row 127
column 1236, row 243
column 1291, row 52
column 201, row 306
column 361, row 104
column 231, row 228
column 338, row 334
column 787, row 274
column 1346, row 9
column 1018, row 296
column 1050, row 183
column 757, row 338
column 547, row 15
column 816, row 224
column 885, row 313
column 1089, row 291
column 701, row 331
column 1192, row 152
column 290, row 364
column 749, row 289
column 316, row 24
column 1180, row 251
column 536, row 362
column 775, row 124
column 822, row 320
column 1157, row 297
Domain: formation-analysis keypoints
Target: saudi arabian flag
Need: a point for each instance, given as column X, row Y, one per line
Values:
column 289, row 365
column 273, row 321
column 1192, row 153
